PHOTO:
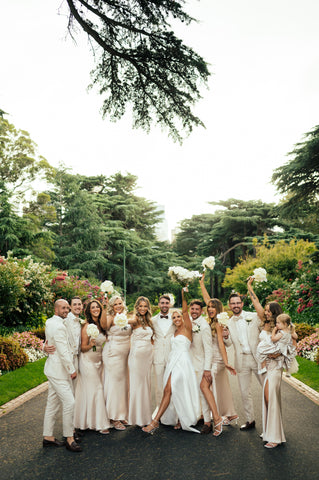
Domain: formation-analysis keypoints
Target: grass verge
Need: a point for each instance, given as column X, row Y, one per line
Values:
column 308, row 373
column 19, row 381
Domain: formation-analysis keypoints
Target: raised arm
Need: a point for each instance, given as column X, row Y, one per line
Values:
column 205, row 294
column 259, row 309
column 187, row 320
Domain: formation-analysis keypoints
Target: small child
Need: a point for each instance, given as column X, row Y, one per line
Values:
column 282, row 338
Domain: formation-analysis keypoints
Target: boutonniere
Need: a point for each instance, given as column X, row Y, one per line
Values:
column 196, row 328
column 249, row 318
column 82, row 321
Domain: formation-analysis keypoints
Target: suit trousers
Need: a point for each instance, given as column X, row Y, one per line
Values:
column 59, row 392
column 249, row 366
column 204, row 405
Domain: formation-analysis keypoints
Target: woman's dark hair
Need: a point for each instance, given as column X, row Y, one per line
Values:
column 88, row 316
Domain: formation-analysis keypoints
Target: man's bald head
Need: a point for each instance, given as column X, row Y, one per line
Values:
column 61, row 308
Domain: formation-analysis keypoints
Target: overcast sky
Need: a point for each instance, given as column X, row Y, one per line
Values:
column 263, row 96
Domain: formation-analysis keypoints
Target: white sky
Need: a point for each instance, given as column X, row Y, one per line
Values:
column 263, row 96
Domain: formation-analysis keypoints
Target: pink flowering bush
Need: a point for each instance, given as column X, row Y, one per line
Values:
column 28, row 340
column 308, row 347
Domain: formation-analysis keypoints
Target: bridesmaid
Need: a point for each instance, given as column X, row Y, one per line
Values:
column 140, row 364
column 90, row 411
column 115, row 359
column 221, row 387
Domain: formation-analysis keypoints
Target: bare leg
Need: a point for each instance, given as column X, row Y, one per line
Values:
column 266, row 393
column 210, row 399
column 161, row 409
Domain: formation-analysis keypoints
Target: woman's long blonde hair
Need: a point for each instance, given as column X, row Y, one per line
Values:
column 217, row 304
column 110, row 306
column 147, row 321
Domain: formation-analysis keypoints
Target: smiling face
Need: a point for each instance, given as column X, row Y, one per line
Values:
column 61, row 308
column 142, row 308
column 212, row 312
column 236, row 305
column 76, row 306
column 177, row 319
column 118, row 306
column 195, row 311
column 268, row 313
column 164, row 306
column 95, row 310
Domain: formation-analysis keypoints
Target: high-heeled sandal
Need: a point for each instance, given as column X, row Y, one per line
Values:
column 154, row 426
column 227, row 421
column 118, row 425
column 217, row 432
column 271, row 445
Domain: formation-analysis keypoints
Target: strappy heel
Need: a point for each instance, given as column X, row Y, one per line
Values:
column 154, row 426
column 217, row 431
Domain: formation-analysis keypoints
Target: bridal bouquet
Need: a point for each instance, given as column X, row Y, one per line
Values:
column 223, row 317
column 120, row 320
column 182, row 275
column 93, row 332
column 107, row 287
column 260, row 275
column 208, row 262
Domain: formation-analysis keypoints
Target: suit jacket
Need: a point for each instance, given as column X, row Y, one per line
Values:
column 162, row 343
column 73, row 328
column 253, row 337
column 201, row 349
column 60, row 363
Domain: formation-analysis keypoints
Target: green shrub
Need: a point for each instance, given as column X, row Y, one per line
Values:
column 303, row 330
column 15, row 355
column 39, row 332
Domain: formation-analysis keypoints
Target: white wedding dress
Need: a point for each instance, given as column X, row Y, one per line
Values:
column 185, row 404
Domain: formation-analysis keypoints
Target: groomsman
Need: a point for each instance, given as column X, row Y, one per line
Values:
column 164, row 329
column 244, row 329
column 201, row 352
column 73, row 327
column 60, row 372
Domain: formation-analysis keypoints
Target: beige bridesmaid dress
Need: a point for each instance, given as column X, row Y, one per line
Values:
column 140, row 364
column 115, row 359
column 221, row 387
column 273, row 430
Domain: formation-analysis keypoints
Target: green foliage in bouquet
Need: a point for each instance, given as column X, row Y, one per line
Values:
column 11, row 354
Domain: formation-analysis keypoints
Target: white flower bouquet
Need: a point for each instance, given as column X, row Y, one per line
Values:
column 223, row 317
column 107, row 287
column 182, row 275
column 208, row 262
column 260, row 275
column 93, row 332
column 120, row 320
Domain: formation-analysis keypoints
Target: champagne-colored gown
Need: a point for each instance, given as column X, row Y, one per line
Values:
column 90, row 411
column 221, row 387
column 115, row 359
column 140, row 363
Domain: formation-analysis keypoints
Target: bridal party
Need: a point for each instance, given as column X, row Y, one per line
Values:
column 103, row 365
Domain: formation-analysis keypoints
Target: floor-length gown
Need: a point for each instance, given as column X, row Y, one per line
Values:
column 273, row 430
column 90, row 411
column 140, row 363
column 115, row 359
column 221, row 387
column 184, row 404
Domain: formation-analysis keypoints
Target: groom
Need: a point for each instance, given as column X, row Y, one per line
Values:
column 201, row 352
column 244, row 329
column 164, row 330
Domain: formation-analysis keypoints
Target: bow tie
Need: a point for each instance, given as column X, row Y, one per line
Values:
column 163, row 316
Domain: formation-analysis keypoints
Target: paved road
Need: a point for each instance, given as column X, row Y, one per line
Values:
column 168, row 454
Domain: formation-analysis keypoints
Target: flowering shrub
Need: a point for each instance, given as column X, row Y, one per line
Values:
column 13, row 355
column 34, row 354
column 308, row 347
column 28, row 340
column 303, row 330
column 24, row 291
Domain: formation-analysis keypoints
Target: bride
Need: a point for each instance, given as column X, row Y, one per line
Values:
column 181, row 397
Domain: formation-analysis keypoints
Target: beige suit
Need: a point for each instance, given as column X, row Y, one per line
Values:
column 58, row 368
column 246, row 363
column 73, row 327
column 162, row 347
column 201, row 352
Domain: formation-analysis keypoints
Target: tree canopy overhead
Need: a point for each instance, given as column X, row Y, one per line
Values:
column 141, row 63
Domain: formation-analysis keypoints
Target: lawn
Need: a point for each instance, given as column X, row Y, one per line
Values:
column 19, row 381
column 308, row 373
